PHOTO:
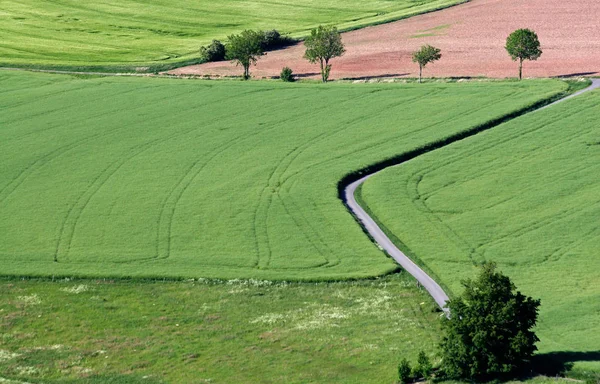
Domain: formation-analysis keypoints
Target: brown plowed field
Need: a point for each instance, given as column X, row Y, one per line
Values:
column 471, row 37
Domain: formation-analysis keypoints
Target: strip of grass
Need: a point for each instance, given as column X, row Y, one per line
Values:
column 173, row 178
column 525, row 195
column 158, row 34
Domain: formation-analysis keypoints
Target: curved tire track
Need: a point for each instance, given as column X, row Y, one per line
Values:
column 384, row 242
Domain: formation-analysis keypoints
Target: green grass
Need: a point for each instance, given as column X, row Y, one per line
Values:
column 195, row 332
column 134, row 177
column 524, row 195
column 129, row 34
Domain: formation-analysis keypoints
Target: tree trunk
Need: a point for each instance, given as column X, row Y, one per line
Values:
column 246, row 72
column 323, row 71
column 520, row 69
column 420, row 73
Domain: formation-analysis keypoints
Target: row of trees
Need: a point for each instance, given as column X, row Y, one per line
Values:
column 487, row 335
column 325, row 43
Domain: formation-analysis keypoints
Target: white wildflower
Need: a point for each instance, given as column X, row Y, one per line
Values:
column 30, row 300
column 7, row 355
column 77, row 289
column 269, row 318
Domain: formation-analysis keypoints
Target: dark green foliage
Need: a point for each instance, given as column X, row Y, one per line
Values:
column 287, row 75
column 245, row 49
column 323, row 44
column 404, row 371
column 215, row 51
column 427, row 54
column 274, row 40
column 488, row 334
column 424, row 367
column 523, row 44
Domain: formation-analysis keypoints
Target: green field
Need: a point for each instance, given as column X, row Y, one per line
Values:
column 525, row 195
column 178, row 178
column 130, row 33
column 96, row 332
column 195, row 332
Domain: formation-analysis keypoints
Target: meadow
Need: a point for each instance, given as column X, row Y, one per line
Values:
column 167, row 178
column 120, row 332
column 129, row 34
column 524, row 195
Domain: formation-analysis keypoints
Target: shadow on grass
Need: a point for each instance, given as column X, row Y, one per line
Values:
column 561, row 363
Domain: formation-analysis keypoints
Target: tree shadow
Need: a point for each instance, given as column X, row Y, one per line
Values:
column 387, row 75
column 309, row 74
column 577, row 74
column 560, row 363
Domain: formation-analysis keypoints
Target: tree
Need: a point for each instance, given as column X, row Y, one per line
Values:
column 213, row 52
column 323, row 44
column 523, row 44
column 404, row 371
column 427, row 54
column 489, row 331
column 423, row 368
column 245, row 49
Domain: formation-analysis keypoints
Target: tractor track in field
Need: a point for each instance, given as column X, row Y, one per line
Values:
column 379, row 237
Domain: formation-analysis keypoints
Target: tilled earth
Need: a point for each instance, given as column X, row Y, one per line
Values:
column 471, row 37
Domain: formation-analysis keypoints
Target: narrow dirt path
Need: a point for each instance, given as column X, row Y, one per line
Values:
column 380, row 238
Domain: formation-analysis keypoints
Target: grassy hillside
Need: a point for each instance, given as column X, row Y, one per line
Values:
column 525, row 195
column 179, row 178
column 133, row 33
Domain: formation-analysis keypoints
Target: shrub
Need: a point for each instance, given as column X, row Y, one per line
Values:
column 215, row 51
column 424, row 367
column 274, row 40
column 404, row 371
column 287, row 75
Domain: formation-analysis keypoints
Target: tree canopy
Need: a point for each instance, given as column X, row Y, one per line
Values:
column 489, row 330
column 427, row 54
column 245, row 49
column 323, row 44
column 523, row 44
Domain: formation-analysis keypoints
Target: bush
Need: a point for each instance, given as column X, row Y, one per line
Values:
column 274, row 40
column 215, row 51
column 424, row 367
column 287, row 75
column 404, row 371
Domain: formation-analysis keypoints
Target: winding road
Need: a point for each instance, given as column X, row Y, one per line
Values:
column 380, row 238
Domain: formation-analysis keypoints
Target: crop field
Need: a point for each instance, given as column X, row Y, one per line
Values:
column 176, row 178
column 133, row 33
column 525, row 195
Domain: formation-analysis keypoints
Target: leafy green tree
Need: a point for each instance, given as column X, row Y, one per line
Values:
column 521, row 45
column 489, row 331
column 245, row 49
column 424, row 367
column 427, row 54
column 287, row 75
column 404, row 371
column 323, row 44
column 215, row 51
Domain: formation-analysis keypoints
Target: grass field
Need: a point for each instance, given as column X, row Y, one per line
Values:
column 178, row 178
column 131, row 33
column 92, row 332
column 525, row 195
column 196, row 332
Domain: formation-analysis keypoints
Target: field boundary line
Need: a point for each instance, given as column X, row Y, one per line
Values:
column 348, row 185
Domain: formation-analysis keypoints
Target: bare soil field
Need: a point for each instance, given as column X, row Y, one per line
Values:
column 471, row 37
